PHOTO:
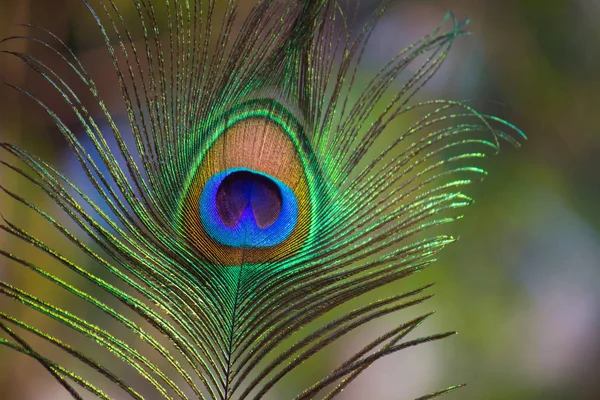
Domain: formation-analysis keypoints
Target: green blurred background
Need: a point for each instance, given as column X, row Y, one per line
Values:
column 522, row 286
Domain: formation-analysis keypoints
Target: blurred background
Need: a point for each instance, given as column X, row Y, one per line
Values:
column 521, row 286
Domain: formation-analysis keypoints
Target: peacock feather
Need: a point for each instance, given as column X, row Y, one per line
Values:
column 228, row 232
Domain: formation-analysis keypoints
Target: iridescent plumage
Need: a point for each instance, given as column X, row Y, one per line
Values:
column 264, row 188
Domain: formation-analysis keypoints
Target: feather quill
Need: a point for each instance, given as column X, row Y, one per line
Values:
column 264, row 188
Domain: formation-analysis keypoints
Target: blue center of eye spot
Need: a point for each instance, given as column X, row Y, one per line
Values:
column 241, row 207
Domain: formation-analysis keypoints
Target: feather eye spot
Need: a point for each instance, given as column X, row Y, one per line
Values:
column 249, row 199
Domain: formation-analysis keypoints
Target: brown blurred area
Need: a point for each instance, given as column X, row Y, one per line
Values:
column 522, row 286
